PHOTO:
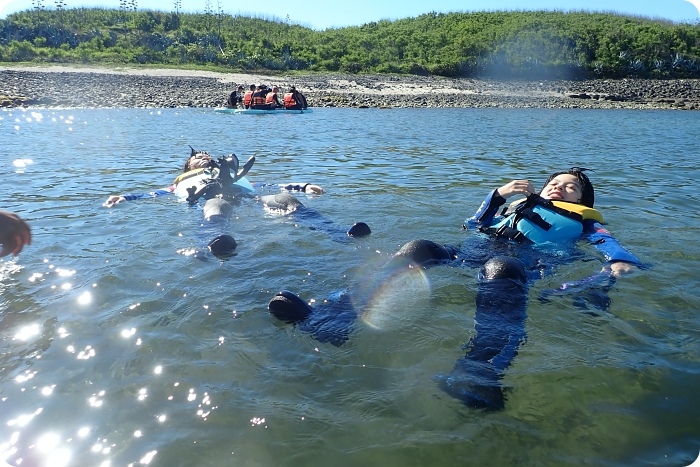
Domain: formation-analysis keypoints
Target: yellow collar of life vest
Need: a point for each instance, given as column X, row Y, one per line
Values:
column 192, row 173
column 585, row 212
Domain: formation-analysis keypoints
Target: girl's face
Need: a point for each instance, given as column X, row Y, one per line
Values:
column 199, row 161
column 563, row 187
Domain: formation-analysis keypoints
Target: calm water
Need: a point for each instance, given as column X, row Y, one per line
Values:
column 118, row 347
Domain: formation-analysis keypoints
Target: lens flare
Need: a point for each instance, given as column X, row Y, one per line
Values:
column 393, row 297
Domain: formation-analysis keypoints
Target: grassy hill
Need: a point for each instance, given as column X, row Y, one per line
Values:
column 535, row 45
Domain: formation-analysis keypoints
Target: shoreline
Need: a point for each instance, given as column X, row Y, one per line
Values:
column 53, row 86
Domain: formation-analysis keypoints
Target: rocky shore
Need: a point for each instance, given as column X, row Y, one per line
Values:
column 60, row 86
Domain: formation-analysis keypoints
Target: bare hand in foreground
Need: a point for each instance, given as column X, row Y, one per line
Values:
column 112, row 200
column 14, row 233
column 516, row 187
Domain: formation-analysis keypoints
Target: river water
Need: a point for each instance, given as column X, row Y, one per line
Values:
column 119, row 347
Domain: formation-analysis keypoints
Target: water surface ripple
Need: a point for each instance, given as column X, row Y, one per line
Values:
column 117, row 347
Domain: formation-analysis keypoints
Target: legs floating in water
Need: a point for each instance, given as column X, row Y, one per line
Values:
column 425, row 252
column 329, row 322
column 501, row 303
column 333, row 320
column 286, row 203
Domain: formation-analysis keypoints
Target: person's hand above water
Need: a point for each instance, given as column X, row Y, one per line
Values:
column 314, row 189
column 14, row 233
column 112, row 200
column 516, row 187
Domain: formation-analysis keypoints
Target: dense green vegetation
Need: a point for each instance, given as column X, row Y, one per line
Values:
column 502, row 44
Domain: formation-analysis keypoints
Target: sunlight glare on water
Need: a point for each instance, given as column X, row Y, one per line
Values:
column 124, row 342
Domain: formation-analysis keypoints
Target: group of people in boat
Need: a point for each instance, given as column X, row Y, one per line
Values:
column 262, row 97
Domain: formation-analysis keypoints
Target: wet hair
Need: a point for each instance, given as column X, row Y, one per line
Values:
column 193, row 152
column 587, row 193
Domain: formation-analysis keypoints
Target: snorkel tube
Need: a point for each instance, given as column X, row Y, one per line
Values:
column 222, row 182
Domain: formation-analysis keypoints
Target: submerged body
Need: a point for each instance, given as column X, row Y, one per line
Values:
column 222, row 184
column 511, row 249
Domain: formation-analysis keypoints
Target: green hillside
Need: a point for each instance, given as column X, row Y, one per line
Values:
column 542, row 44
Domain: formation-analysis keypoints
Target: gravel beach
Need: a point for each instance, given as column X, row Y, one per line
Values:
column 72, row 86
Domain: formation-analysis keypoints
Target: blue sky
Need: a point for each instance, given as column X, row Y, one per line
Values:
column 357, row 12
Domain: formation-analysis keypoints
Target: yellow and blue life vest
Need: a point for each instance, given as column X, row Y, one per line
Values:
column 543, row 221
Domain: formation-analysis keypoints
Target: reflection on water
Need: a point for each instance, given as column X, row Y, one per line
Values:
column 120, row 349
column 391, row 299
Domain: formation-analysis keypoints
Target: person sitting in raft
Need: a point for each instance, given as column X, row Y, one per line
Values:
column 258, row 101
column 14, row 234
column 272, row 100
column 248, row 96
column 294, row 100
column 513, row 247
column 235, row 99
column 198, row 162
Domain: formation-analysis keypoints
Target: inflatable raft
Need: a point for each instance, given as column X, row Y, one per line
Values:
column 261, row 111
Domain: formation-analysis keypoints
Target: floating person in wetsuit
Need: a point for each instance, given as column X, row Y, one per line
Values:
column 518, row 245
column 223, row 184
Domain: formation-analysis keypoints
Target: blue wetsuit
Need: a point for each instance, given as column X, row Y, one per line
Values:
column 487, row 216
column 501, row 302
column 507, row 266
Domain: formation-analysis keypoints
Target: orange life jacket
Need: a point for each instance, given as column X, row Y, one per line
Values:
column 289, row 100
column 247, row 97
column 271, row 98
column 258, row 98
